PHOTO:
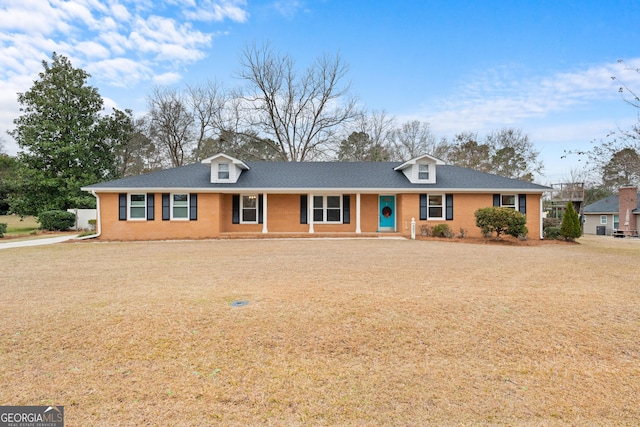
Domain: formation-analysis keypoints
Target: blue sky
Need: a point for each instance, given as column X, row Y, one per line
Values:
column 542, row 66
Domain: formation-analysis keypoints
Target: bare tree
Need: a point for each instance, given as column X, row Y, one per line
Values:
column 207, row 104
column 413, row 139
column 171, row 126
column 300, row 113
column 378, row 125
column 630, row 96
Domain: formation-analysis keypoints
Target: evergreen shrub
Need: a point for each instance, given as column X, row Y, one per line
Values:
column 56, row 220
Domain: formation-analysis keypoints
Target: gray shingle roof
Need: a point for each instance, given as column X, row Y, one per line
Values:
column 318, row 175
column 607, row 205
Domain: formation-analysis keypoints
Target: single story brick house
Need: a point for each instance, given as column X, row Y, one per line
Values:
column 224, row 196
column 617, row 213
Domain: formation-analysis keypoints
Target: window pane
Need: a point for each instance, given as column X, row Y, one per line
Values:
column 249, row 215
column 318, row 215
column 333, row 215
column 318, row 201
column 223, row 170
column 435, row 199
column 180, row 200
column 508, row 200
column 333, row 201
column 423, row 171
column 180, row 212
column 249, row 201
column 138, row 199
column 435, row 212
column 137, row 212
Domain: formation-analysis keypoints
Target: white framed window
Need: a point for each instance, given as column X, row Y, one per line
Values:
column 508, row 201
column 327, row 208
column 249, row 209
column 423, row 172
column 603, row 219
column 138, row 206
column 616, row 221
column 179, row 206
column 435, row 206
column 223, row 170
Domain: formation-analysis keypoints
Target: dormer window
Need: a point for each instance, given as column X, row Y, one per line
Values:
column 423, row 172
column 223, row 171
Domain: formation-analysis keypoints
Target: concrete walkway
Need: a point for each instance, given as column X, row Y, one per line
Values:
column 36, row 242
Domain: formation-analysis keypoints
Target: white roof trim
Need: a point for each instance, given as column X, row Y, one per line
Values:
column 305, row 190
column 233, row 160
column 412, row 162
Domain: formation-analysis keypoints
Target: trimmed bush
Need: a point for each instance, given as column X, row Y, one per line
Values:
column 552, row 233
column 56, row 220
column 3, row 228
column 501, row 221
column 442, row 230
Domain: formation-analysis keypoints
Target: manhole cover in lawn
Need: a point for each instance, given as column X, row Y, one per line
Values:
column 239, row 303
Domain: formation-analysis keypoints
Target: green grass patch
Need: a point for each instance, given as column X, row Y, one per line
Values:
column 17, row 226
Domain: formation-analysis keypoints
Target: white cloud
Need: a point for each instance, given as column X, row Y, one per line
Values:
column 215, row 10
column 499, row 97
column 166, row 79
column 288, row 8
column 121, row 72
column 121, row 43
column 93, row 50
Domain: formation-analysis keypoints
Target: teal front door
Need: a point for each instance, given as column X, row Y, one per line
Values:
column 387, row 213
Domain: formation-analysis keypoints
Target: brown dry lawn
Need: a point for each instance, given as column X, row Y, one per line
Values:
column 336, row 332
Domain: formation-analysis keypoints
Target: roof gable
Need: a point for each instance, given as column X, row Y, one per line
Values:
column 420, row 170
column 224, row 168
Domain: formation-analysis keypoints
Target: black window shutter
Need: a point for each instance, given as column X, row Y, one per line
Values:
column 303, row 209
column 122, row 206
column 193, row 207
column 150, row 206
column 235, row 206
column 496, row 200
column 346, row 209
column 423, row 206
column 260, row 210
column 449, row 205
column 166, row 207
column 522, row 203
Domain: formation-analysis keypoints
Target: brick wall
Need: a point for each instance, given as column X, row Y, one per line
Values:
column 627, row 202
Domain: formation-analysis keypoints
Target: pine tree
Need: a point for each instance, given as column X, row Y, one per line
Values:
column 570, row 227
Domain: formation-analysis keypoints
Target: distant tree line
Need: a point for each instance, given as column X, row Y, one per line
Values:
column 279, row 113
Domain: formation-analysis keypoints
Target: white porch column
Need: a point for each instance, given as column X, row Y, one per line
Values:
column 310, row 212
column 264, row 213
column 358, row 230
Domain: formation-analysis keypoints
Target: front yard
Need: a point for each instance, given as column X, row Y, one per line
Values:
column 334, row 332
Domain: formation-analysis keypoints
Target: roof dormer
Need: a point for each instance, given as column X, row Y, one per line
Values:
column 225, row 169
column 421, row 170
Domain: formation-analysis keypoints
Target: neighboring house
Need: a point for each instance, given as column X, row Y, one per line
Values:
column 614, row 214
column 223, row 196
